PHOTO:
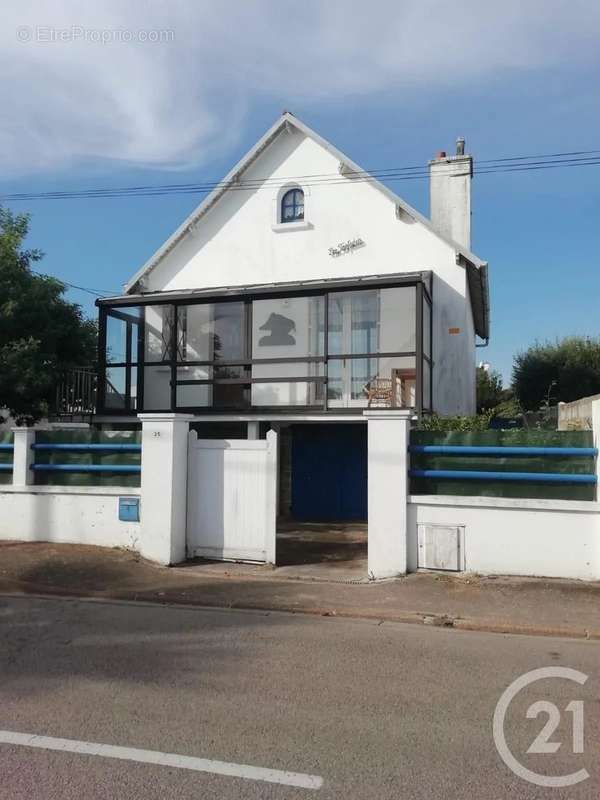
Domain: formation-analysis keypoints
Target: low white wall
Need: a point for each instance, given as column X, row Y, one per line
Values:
column 576, row 415
column 544, row 538
column 73, row 514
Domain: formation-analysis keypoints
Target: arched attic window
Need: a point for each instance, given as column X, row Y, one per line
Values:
column 292, row 206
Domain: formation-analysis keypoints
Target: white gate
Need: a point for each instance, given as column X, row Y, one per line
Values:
column 232, row 498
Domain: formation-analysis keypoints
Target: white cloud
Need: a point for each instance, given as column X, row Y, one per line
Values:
column 167, row 103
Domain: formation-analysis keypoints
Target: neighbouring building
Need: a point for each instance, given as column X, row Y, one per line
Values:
column 298, row 293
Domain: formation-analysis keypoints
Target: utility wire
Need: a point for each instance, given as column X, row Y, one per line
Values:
column 578, row 158
column 94, row 292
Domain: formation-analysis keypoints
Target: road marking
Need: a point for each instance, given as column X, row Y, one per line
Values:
column 246, row 771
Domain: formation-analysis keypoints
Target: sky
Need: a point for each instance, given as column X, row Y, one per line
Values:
column 127, row 93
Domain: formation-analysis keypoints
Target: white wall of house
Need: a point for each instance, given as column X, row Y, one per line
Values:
column 71, row 514
column 239, row 242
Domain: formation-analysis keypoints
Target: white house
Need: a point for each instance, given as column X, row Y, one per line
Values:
column 299, row 292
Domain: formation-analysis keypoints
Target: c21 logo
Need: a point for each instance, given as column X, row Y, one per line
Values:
column 542, row 743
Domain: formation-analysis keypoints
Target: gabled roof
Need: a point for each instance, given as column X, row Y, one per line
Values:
column 477, row 288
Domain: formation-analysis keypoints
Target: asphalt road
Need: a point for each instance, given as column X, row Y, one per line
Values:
column 366, row 710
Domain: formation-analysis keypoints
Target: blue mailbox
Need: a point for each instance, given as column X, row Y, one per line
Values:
column 129, row 509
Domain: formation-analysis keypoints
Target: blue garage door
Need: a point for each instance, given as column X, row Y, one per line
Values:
column 329, row 473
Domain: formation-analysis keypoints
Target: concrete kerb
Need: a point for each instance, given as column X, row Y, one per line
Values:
column 398, row 617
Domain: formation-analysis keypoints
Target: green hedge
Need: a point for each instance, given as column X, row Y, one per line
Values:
column 98, row 457
column 508, row 438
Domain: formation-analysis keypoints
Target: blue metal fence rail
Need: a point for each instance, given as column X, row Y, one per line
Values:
column 78, row 447
column 522, row 477
column 493, row 475
column 121, row 468
column 96, row 447
column 481, row 450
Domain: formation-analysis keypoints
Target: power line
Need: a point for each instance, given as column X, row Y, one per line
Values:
column 579, row 158
column 94, row 292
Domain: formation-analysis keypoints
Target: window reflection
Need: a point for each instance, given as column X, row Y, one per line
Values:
column 211, row 332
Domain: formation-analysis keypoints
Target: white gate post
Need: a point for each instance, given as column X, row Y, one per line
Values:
column 23, row 456
column 164, row 486
column 388, row 439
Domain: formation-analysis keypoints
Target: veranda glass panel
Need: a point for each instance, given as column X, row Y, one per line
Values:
column 158, row 330
column 426, row 386
column 227, row 395
column 297, row 393
column 426, row 328
column 372, row 321
column 122, row 335
column 115, row 396
column 116, row 340
column 362, row 372
column 289, row 369
column 210, row 332
column 157, row 388
column 353, row 322
column 392, row 383
column 217, row 395
column 195, row 395
column 288, row 327
column 388, row 382
column 133, row 394
column 398, row 320
column 366, row 322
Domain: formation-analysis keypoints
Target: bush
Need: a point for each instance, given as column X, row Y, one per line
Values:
column 564, row 371
column 481, row 422
column 489, row 389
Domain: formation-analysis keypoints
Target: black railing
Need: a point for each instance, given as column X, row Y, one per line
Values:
column 76, row 394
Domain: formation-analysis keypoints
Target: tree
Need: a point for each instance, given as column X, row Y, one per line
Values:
column 489, row 389
column 41, row 333
column 564, row 370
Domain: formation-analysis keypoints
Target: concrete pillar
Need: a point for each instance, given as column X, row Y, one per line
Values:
column 388, row 439
column 163, row 505
column 253, row 430
column 596, row 431
column 23, row 456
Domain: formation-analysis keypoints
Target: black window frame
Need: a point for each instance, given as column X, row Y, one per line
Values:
column 297, row 215
column 423, row 294
column 133, row 343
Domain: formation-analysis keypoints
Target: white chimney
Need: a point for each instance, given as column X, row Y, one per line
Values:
column 450, row 194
